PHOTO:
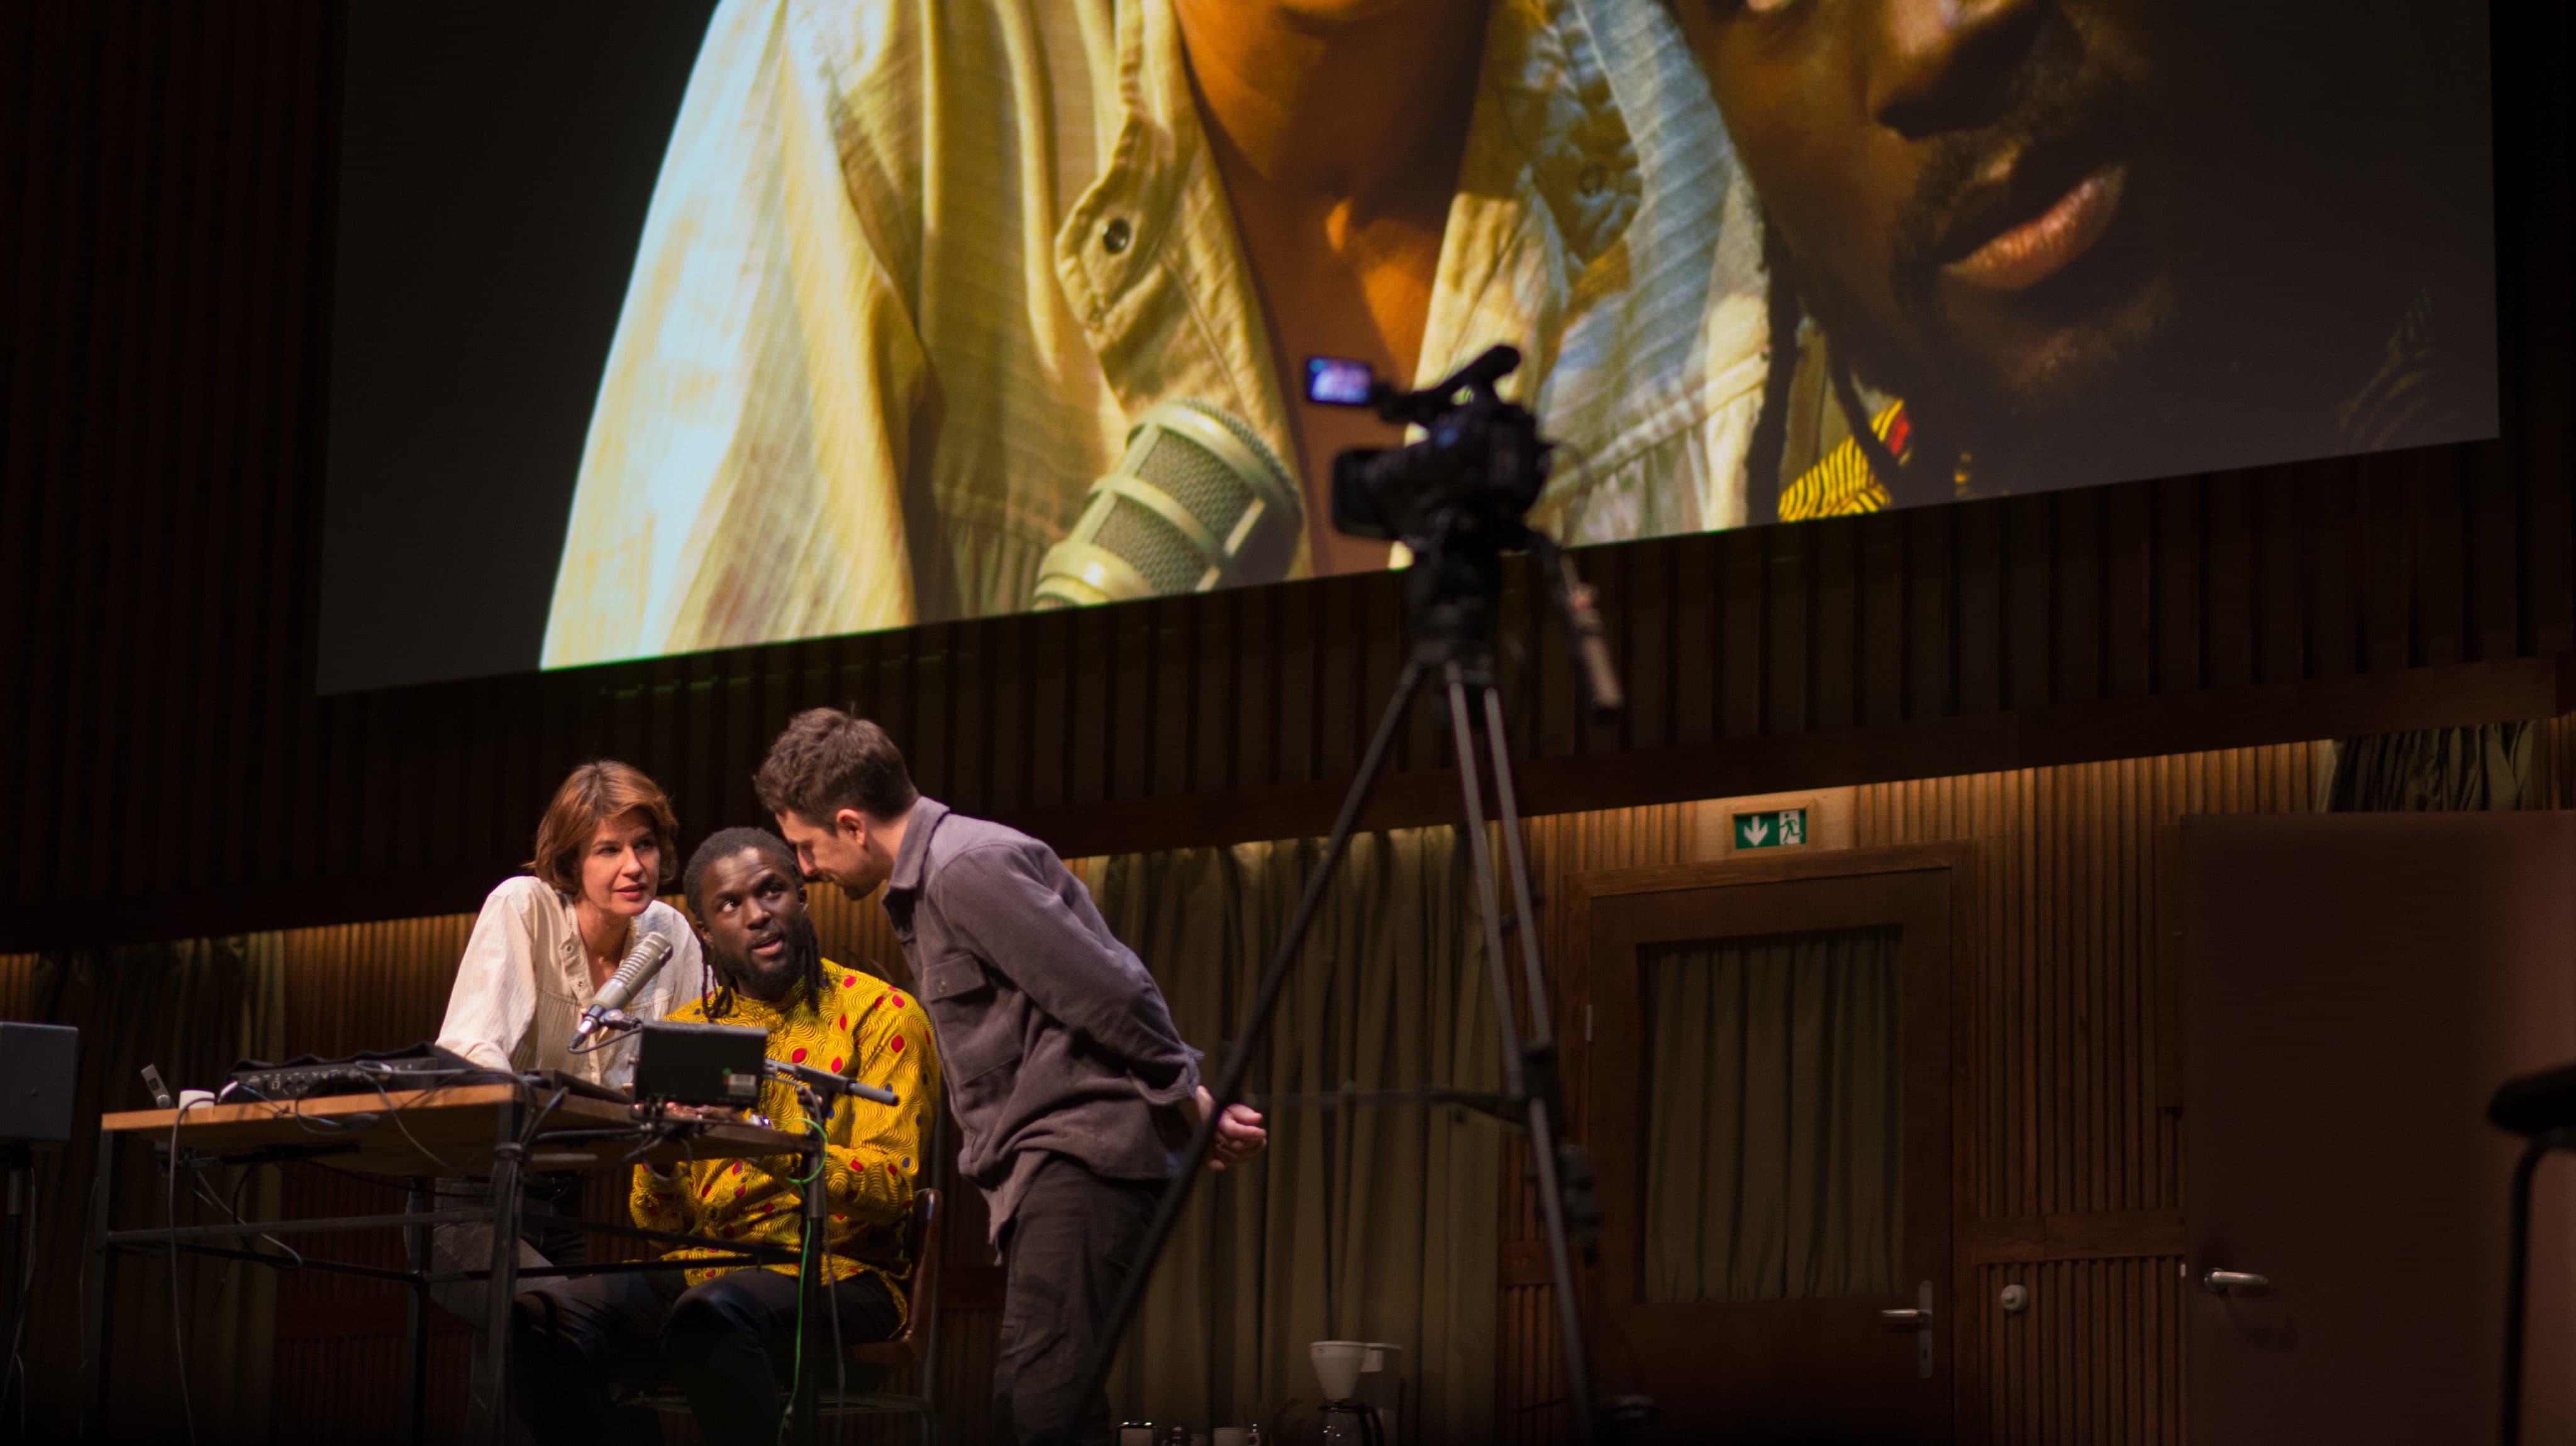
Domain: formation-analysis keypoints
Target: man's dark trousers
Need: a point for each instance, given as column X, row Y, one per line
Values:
column 1071, row 1244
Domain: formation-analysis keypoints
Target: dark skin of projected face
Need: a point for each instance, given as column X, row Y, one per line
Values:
column 2023, row 215
column 751, row 907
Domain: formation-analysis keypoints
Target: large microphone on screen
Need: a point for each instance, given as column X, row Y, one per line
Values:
column 1198, row 501
column 642, row 962
column 2536, row 1104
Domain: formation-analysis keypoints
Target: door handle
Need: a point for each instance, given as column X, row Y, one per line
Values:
column 2220, row 1282
column 1918, row 1319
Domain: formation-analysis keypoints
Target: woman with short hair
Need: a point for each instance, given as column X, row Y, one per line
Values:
column 542, row 947
column 549, row 938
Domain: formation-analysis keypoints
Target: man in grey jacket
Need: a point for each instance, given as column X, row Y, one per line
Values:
column 1064, row 1071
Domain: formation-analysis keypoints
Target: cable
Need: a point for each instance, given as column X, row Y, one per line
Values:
column 804, row 1256
column 17, row 1367
column 178, row 1313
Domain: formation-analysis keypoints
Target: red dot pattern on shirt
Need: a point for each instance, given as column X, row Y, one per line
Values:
column 798, row 1057
column 836, row 1064
column 845, row 1021
column 851, row 982
column 898, row 1001
column 898, row 1044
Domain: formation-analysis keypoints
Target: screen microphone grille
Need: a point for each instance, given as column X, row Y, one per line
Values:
column 1197, row 501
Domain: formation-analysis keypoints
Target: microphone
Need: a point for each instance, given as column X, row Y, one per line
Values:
column 641, row 964
column 827, row 1084
column 2535, row 1104
column 1197, row 501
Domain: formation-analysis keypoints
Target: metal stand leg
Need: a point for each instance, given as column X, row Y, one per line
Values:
column 2518, row 1274
column 98, row 1305
column 503, row 1284
column 422, row 1199
column 1538, row 1098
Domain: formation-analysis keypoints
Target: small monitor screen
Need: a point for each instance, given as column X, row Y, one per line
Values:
column 1338, row 381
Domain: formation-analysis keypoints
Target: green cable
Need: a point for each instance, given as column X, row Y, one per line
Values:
column 804, row 1263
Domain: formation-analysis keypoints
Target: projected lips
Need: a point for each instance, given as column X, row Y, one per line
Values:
column 2037, row 249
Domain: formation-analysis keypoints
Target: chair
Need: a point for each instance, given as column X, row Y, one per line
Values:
column 918, row 1346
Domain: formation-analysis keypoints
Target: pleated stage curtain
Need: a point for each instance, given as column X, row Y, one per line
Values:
column 193, row 1008
column 1374, row 1223
column 2488, row 767
column 1774, row 1116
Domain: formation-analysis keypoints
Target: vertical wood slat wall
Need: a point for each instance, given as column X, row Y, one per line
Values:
column 2066, row 1056
column 164, row 328
column 2067, row 1059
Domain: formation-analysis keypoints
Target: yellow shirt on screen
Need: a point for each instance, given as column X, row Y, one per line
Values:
column 913, row 267
column 860, row 1026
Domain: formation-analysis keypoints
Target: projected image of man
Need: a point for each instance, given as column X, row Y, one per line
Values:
column 2038, row 243
column 913, row 272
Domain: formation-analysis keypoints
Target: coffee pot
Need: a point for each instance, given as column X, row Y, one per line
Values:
column 1358, row 1380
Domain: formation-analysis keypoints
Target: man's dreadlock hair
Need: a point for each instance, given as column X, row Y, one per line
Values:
column 1770, row 440
column 1786, row 314
column 715, row 991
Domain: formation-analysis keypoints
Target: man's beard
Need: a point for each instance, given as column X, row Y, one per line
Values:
column 2210, row 330
column 800, row 959
column 1959, row 397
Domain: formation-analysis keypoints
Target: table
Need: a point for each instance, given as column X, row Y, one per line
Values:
column 496, row 1130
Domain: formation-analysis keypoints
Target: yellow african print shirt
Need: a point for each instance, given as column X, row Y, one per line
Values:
column 1843, row 483
column 865, row 1028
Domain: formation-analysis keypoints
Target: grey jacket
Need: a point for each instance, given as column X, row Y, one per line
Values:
column 1053, row 1038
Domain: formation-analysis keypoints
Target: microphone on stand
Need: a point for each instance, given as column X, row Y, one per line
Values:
column 826, row 1083
column 642, row 962
column 1197, row 501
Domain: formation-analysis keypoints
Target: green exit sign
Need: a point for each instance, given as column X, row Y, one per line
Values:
column 1772, row 828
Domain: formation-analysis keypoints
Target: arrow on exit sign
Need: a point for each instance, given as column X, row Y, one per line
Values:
column 1771, row 829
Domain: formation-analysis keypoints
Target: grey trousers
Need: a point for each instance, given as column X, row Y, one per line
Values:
column 550, row 1234
column 1071, row 1245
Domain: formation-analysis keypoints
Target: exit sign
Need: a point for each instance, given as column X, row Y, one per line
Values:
column 1771, row 828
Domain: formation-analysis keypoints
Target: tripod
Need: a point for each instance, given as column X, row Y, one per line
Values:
column 1452, row 590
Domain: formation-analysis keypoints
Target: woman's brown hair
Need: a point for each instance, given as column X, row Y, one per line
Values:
column 593, row 794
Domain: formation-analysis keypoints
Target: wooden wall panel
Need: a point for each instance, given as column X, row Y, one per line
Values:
column 165, row 769
column 2073, row 1146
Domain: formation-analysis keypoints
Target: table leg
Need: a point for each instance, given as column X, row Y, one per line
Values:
column 423, row 1199
column 502, row 1285
column 100, row 1294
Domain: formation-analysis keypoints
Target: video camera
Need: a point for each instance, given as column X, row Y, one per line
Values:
column 1476, row 473
column 1458, row 500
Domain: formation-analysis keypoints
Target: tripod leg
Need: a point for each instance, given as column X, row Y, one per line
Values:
column 1256, row 1025
column 1516, row 861
column 1540, row 1104
column 1488, row 907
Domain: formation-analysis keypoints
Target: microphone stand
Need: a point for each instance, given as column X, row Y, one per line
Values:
column 1453, row 590
column 2518, row 1272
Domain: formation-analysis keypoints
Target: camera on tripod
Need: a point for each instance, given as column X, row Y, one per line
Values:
column 1475, row 474
column 1459, row 499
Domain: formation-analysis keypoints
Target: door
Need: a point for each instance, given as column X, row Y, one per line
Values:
column 1767, row 1098
column 2355, row 987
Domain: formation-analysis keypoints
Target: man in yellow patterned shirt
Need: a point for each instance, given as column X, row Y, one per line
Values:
column 721, row 1332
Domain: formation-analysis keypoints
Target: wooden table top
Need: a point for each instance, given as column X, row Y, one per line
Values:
column 444, row 1131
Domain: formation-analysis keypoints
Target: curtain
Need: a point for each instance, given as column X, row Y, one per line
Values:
column 2486, row 767
column 1773, row 1119
column 192, row 1008
column 1376, row 1223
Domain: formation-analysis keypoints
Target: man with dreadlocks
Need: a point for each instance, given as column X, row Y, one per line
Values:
column 2026, row 244
column 719, row 1326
